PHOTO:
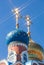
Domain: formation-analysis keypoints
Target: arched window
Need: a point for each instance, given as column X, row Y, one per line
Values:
column 12, row 57
column 24, row 56
column 35, row 63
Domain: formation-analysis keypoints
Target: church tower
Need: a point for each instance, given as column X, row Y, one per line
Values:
column 22, row 50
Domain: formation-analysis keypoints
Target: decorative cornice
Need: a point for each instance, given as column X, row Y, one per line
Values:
column 14, row 43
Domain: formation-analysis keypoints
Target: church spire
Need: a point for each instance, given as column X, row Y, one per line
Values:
column 27, row 17
column 16, row 12
column 28, row 23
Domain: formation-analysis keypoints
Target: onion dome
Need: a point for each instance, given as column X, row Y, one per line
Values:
column 35, row 51
column 17, row 35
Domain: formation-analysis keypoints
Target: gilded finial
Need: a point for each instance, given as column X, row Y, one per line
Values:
column 28, row 23
column 16, row 12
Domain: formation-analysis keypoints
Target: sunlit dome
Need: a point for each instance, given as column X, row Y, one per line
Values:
column 17, row 35
column 35, row 51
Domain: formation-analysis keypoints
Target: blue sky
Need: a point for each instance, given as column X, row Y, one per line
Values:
column 35, row 9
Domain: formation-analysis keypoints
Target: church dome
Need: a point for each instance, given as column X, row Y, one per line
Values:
column 17, row 35
column 35, row 51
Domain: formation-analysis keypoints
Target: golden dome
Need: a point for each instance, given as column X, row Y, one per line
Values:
column 35, row 51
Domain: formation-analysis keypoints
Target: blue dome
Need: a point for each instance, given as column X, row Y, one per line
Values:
column 17, row 35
